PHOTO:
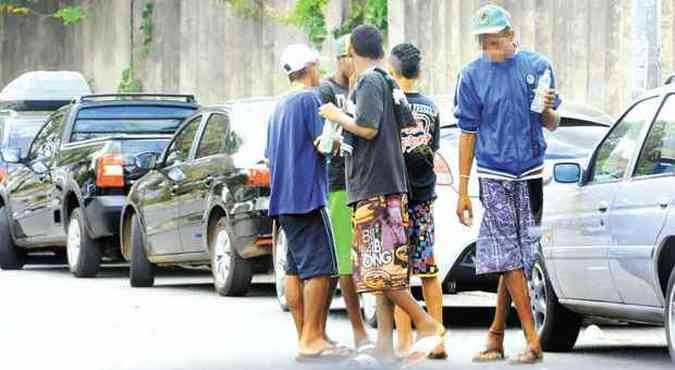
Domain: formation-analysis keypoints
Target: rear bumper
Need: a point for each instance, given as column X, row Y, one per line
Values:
column 252, row 233
column 103, row 215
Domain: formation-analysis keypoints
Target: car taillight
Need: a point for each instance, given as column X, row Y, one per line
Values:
column 258, row 177
column 443, row 173
column 110, row 171
column 3, row 173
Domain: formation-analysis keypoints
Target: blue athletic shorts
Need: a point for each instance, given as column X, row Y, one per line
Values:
column 311, row 248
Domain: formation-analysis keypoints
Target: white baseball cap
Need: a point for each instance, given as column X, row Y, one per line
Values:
column 298, row 56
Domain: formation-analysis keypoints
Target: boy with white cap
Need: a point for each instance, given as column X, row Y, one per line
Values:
column 492, row 106
column 299, row 186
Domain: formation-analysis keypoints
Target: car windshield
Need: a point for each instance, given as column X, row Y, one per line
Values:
column 139, row 119
column 18, row 133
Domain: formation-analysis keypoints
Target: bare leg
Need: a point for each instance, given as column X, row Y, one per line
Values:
column 385, row 327
column 314, row 296
column 295, row 301
column 403, row 331
column 353, row 310
column 331, row 294
column 425, row 324
column 496, row 334
column 433, row 297
column 517, row 285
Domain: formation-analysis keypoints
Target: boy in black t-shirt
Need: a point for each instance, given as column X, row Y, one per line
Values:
column 419, row 143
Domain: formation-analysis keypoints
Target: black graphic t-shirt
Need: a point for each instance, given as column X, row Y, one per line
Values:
column 419, row 144
column 332, row 92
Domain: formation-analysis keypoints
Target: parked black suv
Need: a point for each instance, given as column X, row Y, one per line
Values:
column 203, row 203
column 69, row 188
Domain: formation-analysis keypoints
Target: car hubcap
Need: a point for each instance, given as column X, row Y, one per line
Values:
column 73, row 246
column 279, row 268
column 538, row 296
column 369, row 306
column 222, row 254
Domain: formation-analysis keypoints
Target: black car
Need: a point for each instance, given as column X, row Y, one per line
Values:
column 203, row 203
column 69, row 188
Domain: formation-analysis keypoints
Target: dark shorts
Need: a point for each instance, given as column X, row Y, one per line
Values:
column 422, row 239
column 311, row 251
column 380, row 249
column 507, row 238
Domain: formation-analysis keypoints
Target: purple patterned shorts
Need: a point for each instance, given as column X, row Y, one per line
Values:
column 422, row 239
column 506, row 241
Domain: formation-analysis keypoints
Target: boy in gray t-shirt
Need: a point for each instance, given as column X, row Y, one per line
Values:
column 377, row 187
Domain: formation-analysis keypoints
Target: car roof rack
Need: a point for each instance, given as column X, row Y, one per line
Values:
column 125, row 96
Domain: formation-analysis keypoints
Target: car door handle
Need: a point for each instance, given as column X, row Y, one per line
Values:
column 603, row 207
column 664, row 202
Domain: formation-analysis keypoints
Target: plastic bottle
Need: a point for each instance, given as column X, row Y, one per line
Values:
column 328, row 137
column 543, row 87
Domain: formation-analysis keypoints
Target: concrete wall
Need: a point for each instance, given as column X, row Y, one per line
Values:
column 204, row 47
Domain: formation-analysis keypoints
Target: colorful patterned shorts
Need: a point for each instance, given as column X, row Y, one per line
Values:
column 380, row 247
column 422, row 239
column 505, row 240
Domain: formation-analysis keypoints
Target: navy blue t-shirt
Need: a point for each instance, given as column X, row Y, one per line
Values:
column 299, row 175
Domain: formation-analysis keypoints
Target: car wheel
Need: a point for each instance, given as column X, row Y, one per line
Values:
column 279, row 258
column 670, row 315
column 11, row 257
column 84, row 253
column 141, row 270
column 232, row 274
column 557, row 326
column 369, row 308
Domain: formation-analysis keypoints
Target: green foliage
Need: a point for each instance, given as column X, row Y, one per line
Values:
column 69, row 15
column 373, row 12
column 308, row 16
column 128, row 84
column 147, row 27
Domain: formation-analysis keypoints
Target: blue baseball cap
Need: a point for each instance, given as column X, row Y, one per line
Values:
column 491, row 19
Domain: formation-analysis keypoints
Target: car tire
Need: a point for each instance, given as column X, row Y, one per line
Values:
column 11, row 257
column 557, row 326
column 670, row 315
column 84, row 253
column 369, row 309
column 141, row 270
column 232, row 274
column 279, row 259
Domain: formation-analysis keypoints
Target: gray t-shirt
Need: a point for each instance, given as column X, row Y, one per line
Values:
column 376, row 166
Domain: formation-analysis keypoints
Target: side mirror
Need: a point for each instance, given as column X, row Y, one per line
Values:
column 39, row 167
column 567, row 173
column 13, row 155
column 146, row 160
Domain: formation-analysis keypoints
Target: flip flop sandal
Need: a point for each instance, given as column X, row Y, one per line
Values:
column 489, row 355
column 363, row 361
column 329, row 354
column 421, row 350
column 528, row 357
column 438, row 356
column 366, row 348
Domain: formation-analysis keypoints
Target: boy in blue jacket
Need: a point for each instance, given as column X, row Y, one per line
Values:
column 492, row 106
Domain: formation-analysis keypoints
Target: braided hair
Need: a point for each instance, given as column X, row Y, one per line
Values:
column 405, row 59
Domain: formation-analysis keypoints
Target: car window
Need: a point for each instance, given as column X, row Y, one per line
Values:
column 180, row 147
column 48, row 139
column 658, row 152
column 615, row 152
column 18, row 133
column 213, row 140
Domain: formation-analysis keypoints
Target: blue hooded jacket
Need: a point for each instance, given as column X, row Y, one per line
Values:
column 493, row 101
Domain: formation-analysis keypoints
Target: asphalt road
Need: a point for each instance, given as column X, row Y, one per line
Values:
column 50, row 320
